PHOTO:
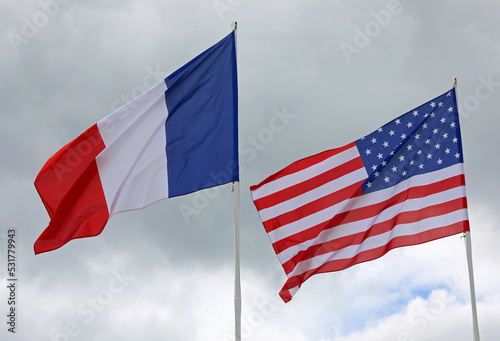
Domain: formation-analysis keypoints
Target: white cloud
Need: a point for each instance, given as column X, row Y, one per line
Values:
column 88, row 56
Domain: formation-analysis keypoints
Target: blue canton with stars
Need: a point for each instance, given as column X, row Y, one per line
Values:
column 423, row 140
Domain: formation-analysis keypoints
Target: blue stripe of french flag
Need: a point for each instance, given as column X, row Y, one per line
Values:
column 178, row 137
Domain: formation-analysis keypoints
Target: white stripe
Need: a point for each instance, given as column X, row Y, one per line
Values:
column 307, row 173
column 133, row 166
column 365, row 200
column 316, row 193
column 415, row 181
column 309, row 221
column 363, row 225
column 293, row 290
column 380, row 240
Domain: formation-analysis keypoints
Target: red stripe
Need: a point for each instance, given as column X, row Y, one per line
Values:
column 70, row 187
column 367, row 211
column 368, row 255
column 380, row 228
column 303, row 164
column 309, row 184
column 312, row 207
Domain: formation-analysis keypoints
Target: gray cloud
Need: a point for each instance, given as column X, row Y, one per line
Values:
column 86, row 58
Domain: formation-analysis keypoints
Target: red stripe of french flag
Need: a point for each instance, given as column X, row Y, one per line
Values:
column 73, row 168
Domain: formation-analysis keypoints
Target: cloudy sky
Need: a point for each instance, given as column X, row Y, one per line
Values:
column 331, row 72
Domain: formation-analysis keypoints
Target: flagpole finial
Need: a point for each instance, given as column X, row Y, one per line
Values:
column 234, row 25
column 454, row 80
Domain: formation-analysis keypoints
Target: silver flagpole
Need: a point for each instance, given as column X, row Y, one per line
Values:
column 468, row 248
column 237, row 286
column 236, row 202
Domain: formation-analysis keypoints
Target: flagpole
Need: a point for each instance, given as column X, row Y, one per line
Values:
column 237, row 285
column 236, row 204
column 468, row 248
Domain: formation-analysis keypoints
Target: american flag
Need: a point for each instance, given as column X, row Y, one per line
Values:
column 401, row 185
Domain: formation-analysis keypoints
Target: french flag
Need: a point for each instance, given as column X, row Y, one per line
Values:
column 178, row 137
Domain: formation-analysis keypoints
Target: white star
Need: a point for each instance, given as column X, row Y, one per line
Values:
column 412, row 162
column 443, row 120
column 419, row 152
column 386, row 179
column 368, row 185
column 386, row 144
column 374, row 167
column 420, row 166
column 450, row 109
column 429, row 156
column 415, row 113
column 409, row 125
column 448, row 94
column 403, row 136
column 433, row 104
column 391, row 133
column 368, row 152
column 409, row 147
column 455, row 140
column 398, row 121
column 433, row 114
column 457, row 155
column 384, row 163
column 452, row 124
column 374, row 140
column 447, row 151
column 417, row 137
column 380, row 156
column 427, row 141
column 426, row 115
column 435, row 131
column 440, row 161
column 401, row 158
column 440, row 104
column 424, row 125
column 380, row 130
column 437, row 146
column 376, row 174
column 404, row 173
column 445, row 135
column 394, row 169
